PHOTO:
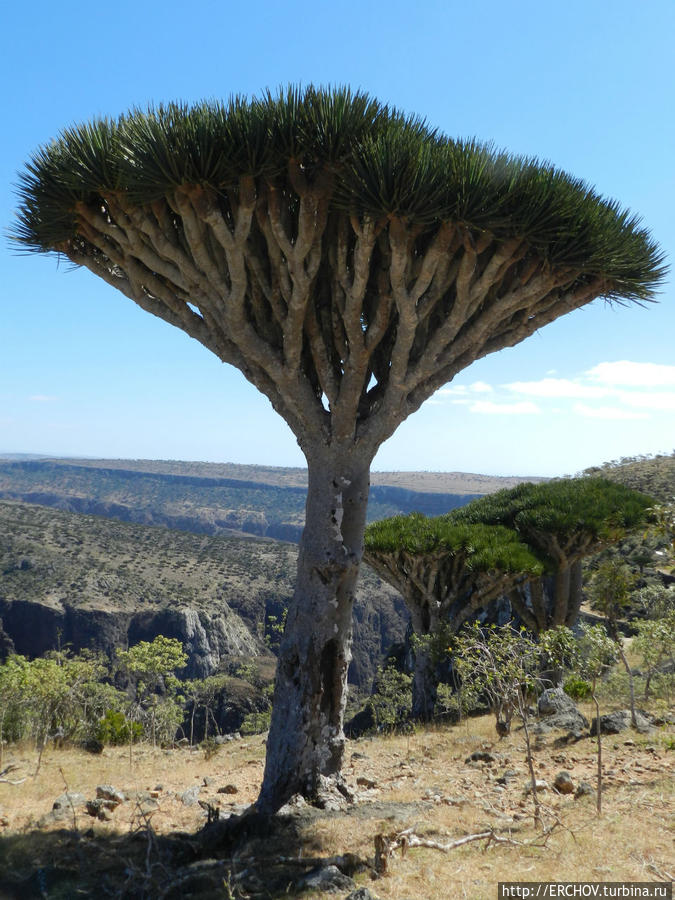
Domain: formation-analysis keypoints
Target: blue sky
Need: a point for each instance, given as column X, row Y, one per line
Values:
column 588, row 85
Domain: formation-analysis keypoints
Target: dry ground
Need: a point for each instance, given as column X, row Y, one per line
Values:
column 420, row 781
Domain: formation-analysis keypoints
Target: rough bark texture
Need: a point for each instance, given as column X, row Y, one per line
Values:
column 306, row 739
column 556, row 599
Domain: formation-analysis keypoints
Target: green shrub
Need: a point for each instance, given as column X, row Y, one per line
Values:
column 115, row 728
column 391, row 701
column 256, row 722
column 577, row 688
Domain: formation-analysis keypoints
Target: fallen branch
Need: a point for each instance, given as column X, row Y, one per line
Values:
column 385, row 846
column 10, row 768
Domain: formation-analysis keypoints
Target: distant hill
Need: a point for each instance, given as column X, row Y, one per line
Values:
column 212, row 498
column 653, row 475
column 96, row 582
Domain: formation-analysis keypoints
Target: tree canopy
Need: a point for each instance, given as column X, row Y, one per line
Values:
column 219, row 217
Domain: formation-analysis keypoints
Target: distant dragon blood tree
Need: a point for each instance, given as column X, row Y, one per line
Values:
column 349, row 260
column 526, row 543
column 562, row 521
column 445, row 573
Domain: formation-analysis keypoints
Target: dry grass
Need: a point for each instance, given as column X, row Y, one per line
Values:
column 421, row 781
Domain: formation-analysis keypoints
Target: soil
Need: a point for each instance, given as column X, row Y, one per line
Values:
column 424, row 781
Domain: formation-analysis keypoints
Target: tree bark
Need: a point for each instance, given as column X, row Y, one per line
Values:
column 425, row 683
column 306, row 738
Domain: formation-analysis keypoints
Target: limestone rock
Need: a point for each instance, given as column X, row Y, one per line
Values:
column 108, row 792
column 328, row 879
column 557, row 710
column 615, row 722
column 190, row 796
column 69, row 800
column 563, row 783
column 584, row 789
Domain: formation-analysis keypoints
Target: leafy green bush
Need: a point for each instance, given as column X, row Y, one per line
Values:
column 115, row 728
column 256, row 722
column 577, row 688
column 391, row 701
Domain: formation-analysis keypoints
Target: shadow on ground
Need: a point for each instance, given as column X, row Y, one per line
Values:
column 245, row 856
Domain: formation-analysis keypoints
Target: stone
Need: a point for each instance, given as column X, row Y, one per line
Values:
column 69, row 800
column 563, row 783
column 584, row 789
column 148, row 806
column 108, row 792
column 361, row 893
column 481, row 756
column 228, row 789
column 618, row 721
column 362, row 781
column 553, row 701
column 208, row 780
column 190, row 796
column 540, row 784
column 328, row 879
column 558, row 711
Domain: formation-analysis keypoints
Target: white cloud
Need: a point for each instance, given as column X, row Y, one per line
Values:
column 633, row 374
column 557, row 387
column 452, row 391
column 41, row 398
column 606, row 412
column 461, row 390
column 487, row 407
column 664, row 400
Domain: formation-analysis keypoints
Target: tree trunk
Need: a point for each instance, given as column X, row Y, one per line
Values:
column 306, row 738
column 424, row 683
column 576, row 594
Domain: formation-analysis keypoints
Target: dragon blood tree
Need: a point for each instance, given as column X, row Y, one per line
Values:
column 349, row 261
column 445, row 573
column 563, row 521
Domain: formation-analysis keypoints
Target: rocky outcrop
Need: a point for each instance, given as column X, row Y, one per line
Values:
column 620, row 720
column 88, row 581
column 208, row 637
column 557, row 710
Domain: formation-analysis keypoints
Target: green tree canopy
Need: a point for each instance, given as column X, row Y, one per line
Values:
column 562, row 521
column 445, row 572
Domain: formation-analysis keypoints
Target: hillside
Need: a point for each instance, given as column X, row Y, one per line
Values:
column 91, row 581
column 213, row 498
column 653, row 475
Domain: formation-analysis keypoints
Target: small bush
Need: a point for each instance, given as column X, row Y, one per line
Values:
column 577, row 688
column 256, row 722
column 114, row 728
column 391, row 701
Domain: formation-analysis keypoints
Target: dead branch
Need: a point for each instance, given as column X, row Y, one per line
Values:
column 10, row 768
column 386, row 845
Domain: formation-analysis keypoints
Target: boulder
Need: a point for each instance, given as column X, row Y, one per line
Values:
column 615, row 722
column 108, row 792
column 69, row 800
column 190, row 796
column 563, row 783
column 328, row 879
column 557, row 710
column 584, row 790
